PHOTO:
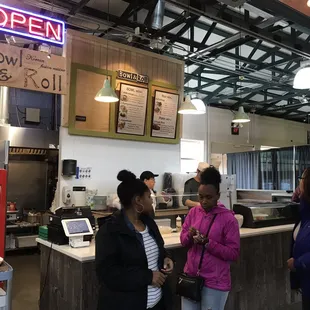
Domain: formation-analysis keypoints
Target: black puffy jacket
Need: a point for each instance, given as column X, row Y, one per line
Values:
column 121, row 265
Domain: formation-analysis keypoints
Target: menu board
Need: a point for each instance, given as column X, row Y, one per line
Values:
column 132, row 110
column 165, row 115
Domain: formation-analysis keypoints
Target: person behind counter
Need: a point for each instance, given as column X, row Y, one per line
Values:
column 148, row 178
column 131, row 262
column 190, row 198
column 299, row 263
column 222, row 245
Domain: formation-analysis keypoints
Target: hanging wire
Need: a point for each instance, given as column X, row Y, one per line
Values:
column 107, row 55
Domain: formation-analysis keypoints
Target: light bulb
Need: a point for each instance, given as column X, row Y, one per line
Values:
column 308, row 3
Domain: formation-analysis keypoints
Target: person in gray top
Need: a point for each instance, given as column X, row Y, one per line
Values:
column 190, row 198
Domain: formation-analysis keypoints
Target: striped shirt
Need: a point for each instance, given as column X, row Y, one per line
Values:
column 154, row 294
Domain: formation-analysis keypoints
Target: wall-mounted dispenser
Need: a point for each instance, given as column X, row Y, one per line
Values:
column 69, row 167
column 67, row 195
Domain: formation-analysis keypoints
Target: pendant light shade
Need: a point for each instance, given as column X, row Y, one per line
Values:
column 199, row 104
column 106, row 93
column 241, row 116
column 302, row 79
column 187, row 107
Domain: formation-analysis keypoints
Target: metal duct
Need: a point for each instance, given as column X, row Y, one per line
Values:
column 233, row 3
column 4, row 105
column 158, row 15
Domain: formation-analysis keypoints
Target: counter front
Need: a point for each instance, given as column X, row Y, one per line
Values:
column 260, row 278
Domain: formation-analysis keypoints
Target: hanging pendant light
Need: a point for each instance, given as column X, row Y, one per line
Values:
column 241, row 116
column 187, row 107
column 107, row 93
column 199, row 104
column 302, row 79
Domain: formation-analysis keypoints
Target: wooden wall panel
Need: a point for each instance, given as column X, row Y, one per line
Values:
column 96, row 114
column 92, row 51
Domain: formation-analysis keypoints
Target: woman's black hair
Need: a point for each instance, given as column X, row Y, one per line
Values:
column 129, row 188
column 211, row 176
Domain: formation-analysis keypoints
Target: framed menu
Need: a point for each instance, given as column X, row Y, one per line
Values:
column 165, row 115
column 131, row 116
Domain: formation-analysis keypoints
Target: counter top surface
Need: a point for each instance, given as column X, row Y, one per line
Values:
column 171, row 241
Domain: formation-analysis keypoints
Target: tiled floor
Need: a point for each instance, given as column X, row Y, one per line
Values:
column 26, row 281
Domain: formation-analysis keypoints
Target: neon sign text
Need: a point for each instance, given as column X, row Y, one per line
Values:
column 30, row 25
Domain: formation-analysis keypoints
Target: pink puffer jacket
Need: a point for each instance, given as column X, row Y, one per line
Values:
column 223, row 247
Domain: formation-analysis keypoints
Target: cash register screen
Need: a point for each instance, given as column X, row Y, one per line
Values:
column 77, row 227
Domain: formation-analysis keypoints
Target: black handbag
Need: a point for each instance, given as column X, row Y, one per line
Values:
column 190, row 287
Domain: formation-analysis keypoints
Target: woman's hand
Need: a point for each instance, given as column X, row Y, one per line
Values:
column 193, row 231
column 168, row 266
column 200, row 239
column 290, row 264
column 158, row 279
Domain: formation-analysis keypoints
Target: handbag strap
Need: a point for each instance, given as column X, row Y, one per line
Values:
column 204, row 248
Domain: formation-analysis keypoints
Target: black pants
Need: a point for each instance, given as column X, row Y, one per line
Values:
column 161, row 306
column 305, row 303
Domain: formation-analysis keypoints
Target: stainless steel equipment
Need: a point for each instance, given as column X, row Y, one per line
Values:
column 282, row 197
column 12, row 216
column 257, row 215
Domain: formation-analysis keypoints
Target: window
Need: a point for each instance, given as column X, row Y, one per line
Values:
column 192, row 153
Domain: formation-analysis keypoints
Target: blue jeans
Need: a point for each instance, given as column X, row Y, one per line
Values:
column 211, row 300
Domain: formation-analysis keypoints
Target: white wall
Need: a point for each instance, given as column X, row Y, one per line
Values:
column 107, row 157
column 261, row 130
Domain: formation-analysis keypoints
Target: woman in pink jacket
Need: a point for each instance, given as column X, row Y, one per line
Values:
column 222, row 244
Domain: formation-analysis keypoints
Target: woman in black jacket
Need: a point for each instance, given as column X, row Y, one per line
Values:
column 299, row 263
column 131, row 261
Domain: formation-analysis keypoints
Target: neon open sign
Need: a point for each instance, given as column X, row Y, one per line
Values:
column 30, row 25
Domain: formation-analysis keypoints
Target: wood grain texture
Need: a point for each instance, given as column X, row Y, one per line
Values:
column 97, row 114
column 93, row 51
column 299, row 5
column 260, row 280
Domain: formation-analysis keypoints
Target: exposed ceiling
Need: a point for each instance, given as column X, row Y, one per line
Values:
column 234, row 56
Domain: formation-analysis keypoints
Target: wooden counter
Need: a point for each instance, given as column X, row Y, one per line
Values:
column 260, row 277
column 158, row 213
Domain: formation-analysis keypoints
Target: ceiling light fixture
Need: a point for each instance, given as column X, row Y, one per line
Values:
column 107, row 93
column 308, row 3
column 302, row 77
column 241, row 116
column 199, row 104
column 187, row 107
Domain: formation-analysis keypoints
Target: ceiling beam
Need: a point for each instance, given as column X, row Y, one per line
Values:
column 170, row 26
column 287, row 12
column 203, row 26
column 75, row 9
column 214, row 93
column 236, row 21
column 269, row 103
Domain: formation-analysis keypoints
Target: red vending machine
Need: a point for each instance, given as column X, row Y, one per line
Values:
column 4, row 164
column 3, row 208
